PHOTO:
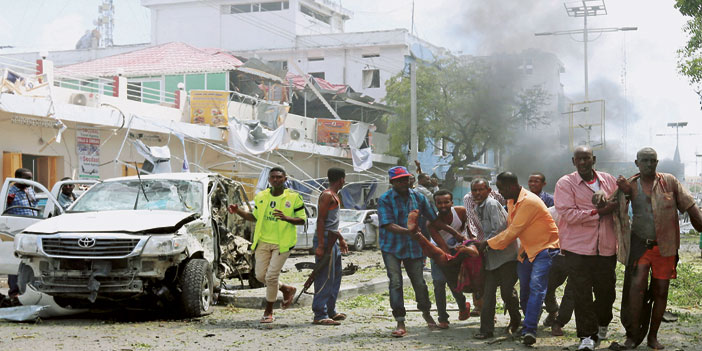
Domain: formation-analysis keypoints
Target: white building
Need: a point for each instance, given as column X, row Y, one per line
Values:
column 301, row 35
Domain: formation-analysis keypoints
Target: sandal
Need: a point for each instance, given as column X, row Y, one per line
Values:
column 267, row 319
column 398, row 333
column 325, row 321
column 288, row 301
column 443, row 325
column 339, row 317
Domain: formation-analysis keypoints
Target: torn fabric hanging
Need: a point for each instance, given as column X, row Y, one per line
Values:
column 362, row 159
column 186, row 166
column 251, row 138
column 358, row 133
column 157, row 159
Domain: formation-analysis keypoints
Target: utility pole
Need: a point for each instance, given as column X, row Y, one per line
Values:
column 585, row 9
column 414, row 139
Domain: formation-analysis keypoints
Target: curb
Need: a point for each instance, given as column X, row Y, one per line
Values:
column 255, row 298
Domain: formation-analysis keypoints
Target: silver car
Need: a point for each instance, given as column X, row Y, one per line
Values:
column 358, row 227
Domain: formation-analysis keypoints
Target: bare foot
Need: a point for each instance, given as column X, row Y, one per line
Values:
column 654, row 344
column 629, row 344
column 430, row 320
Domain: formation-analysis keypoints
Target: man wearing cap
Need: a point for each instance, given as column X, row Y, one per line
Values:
column 399, row 249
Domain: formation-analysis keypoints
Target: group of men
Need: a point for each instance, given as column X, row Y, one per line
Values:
column 577, row 235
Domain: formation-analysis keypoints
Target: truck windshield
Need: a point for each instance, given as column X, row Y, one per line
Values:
column 162, row 194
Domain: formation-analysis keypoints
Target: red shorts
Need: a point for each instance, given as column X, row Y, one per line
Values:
column 661, row 267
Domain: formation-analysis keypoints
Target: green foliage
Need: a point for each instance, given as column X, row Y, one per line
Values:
column 690, row 56
column 685, row 291
column 471, row 105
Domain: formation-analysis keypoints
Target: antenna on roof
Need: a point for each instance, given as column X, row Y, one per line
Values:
column 105, row 23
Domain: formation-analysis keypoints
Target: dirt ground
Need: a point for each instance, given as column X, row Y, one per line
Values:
column 367, row 328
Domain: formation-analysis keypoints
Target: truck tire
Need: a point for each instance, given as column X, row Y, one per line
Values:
column 25, row 275
column 196, row 282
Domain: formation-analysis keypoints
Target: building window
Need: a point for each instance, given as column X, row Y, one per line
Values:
column 315, row 14
column 313, row 59
column 240, row 8
column 259, row 7
column 134, row 91
column 371, row 78
column 319, row 75
column 370, row 55
column 282, row 65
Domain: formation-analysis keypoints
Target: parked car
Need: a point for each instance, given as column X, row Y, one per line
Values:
column 304, row 239
column 357, row 227
column 163, row 238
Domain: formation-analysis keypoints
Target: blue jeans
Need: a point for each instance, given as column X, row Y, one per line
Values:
column 440, row 292
column 413, row 267
column 533, row 283
column 326, row 286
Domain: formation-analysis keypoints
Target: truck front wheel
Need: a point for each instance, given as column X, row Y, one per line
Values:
column 197, row 288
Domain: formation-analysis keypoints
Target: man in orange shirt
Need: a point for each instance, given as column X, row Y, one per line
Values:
column 529, row 221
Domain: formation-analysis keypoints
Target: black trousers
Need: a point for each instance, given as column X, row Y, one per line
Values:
column 592, row 274
column 505, row 277
column 557, row 276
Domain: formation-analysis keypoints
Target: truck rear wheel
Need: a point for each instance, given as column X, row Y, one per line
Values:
column 197, row 285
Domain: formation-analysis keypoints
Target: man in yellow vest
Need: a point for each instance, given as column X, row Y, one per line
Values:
column 277, row 211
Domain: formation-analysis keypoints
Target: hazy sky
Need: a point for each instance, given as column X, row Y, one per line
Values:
column 654, row 89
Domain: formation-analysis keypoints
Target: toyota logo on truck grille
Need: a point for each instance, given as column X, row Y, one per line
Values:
column 86, row 242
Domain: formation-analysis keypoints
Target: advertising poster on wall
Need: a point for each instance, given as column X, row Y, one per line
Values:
column 333, row 132
column 209, row 107
column 88, row 150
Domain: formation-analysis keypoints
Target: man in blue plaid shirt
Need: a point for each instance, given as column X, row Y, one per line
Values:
column 22, row 195
column 398, row 248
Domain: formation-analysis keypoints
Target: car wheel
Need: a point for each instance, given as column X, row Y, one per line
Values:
column 197, row 284
column 359, row 242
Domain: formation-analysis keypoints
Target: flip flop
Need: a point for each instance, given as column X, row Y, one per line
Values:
column 287, row 302
column 339, row 317
column 443, row 325
column 267, row 319
column 398, row 333
column 325, row 321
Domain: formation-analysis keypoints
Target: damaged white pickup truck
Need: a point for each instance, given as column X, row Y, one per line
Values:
column 160, row 239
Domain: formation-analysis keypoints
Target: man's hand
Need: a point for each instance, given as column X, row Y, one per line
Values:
column 624, row 185
column 343, row 246
column 608, row 208
column 599, row 199
column 233, row 208
column 279, row 214
column 481, row 245
column 460, row 238
column 319, row 251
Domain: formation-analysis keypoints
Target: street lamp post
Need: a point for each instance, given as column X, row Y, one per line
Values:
column 585, row 9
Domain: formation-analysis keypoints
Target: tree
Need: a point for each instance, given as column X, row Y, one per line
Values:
column 472, row 106
column 690, row 56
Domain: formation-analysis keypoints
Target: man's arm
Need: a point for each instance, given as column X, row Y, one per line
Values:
column 298, row 207
column 520, row 222
column 568, row 210
column 438, row 239
column 241, row 212
column 463, row 216
column 695, row 217
column 323, row 204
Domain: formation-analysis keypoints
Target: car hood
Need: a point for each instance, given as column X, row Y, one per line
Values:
column 129, row 221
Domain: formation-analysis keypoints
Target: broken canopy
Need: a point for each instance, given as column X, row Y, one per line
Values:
column 251, row 138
